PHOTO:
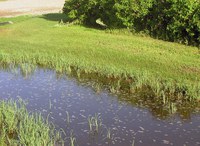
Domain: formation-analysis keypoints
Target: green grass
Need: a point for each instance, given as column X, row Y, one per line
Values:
column 159, row 65
column 19, row 127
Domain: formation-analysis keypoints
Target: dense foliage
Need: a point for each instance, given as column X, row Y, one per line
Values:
column 114, row 13
column 173, row 20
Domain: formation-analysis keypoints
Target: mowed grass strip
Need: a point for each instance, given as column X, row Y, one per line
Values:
column 42, row 40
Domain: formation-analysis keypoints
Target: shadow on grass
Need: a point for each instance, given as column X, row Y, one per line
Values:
column 60, row 16
column 55, row 17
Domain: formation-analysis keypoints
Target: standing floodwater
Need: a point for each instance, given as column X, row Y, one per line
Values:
column 122, row 120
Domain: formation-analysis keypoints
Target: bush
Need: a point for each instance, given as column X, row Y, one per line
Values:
column 173, row 20
column 113, row 13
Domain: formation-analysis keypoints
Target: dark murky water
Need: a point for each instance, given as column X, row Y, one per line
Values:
column 130, row 119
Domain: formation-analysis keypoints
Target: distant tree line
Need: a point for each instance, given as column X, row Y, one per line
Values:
column 172, row 20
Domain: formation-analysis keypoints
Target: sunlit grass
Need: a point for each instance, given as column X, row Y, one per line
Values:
column 163, row 67
column 19, row 127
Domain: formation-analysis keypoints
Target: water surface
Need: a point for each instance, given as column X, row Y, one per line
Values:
column 131, row 119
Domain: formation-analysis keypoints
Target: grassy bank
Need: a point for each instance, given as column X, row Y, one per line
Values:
column 163, row 67
column 18, row 127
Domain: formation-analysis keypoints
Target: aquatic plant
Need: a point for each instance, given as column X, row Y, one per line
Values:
column 18, row 127
column 50, row 104
column 133, row 143
column 68, row 118
column 72, row 139
column 108, row 135
column 94, row 123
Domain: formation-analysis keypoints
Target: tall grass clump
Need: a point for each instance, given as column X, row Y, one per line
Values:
column 94, row 123
column 18, row 127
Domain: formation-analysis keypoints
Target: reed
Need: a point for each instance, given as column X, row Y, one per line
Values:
column 94, row 123
column 18, row 127
column 68, row 118
column 72, row 139
column 108, row 134
column 133, row 143
column 50, row 104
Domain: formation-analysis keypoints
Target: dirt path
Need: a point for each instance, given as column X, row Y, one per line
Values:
column 12, row 8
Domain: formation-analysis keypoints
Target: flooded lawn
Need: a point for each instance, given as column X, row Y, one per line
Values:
column 123, row 120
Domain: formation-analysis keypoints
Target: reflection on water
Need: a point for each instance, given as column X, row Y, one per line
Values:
column 127, row 119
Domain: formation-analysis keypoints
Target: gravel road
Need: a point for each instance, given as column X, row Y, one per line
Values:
column 12, row 8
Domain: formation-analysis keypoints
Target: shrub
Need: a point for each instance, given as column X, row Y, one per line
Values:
column 114, row 13
column 173, row 20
